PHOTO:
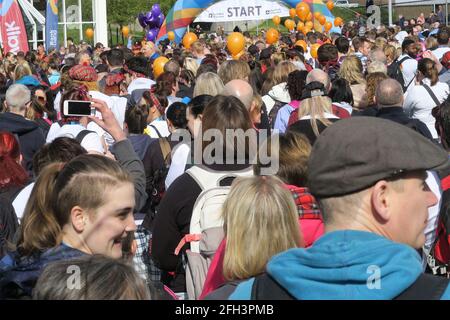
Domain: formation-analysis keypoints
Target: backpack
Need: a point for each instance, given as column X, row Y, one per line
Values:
column 426, row 287
column 206, row 227
column 274, row 112
column 157, row 183
column 394, row 71
column 438, row 259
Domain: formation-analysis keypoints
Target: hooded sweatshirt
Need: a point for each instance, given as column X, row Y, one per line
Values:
column 277, row 93
column 344, row 265
column 31, row 138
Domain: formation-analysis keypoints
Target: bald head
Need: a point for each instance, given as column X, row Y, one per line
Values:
column 389, row 94
column 319, row 76
column 241, row 90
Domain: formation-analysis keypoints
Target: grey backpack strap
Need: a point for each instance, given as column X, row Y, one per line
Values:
column 82, row 134
column 431, row 93
column 426, row 287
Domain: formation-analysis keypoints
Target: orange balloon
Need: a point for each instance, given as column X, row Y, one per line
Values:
column 188, row 39
column 306, row 30
column 272, row 36
column 302, row 43
column 328, row 25
column 302, row 10
column 125, row 31
column 171, row 35
column 309, row 17
column 158, row 66
column 292, row 13
column 289, row 24
column 330, row 5
column 317, row 15
column 322, row 20
column 314, row 48
column 300, row 26
column 238, row 55
column 338, row 22
column 276, row 20
column 309, row 24
column 89, row 33
column 235, row 43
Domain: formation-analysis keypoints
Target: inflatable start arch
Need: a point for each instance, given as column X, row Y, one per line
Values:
column 184, row 12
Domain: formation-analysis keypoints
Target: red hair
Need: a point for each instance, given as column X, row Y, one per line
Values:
column 11, row 172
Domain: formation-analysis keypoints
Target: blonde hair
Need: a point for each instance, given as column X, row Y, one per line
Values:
column 352, row 70
column 260, row 220
column 282, row 71
column 381, row 43
column 208, row 83
column 197, row 47
column 431, row 43
column 316, row 107
column 21, row 71
column 191, row 64
column 233, row 70
column 391, row 53
column 278, row 57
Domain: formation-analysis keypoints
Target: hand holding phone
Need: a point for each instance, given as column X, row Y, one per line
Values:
column 78, row 108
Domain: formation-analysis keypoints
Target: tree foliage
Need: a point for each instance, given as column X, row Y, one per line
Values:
column 126, row 11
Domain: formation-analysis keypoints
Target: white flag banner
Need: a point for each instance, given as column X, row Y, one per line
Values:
column 239, row 10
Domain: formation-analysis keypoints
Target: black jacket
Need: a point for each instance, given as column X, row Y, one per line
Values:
column 397, row 114
column 304, row 127
column 8, row 219
column 31, row 138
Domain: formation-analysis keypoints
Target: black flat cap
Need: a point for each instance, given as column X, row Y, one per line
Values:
column 353, row 154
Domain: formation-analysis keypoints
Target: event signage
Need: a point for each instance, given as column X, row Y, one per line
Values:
column 234, row 10
column 51, row 25
column 14, row 34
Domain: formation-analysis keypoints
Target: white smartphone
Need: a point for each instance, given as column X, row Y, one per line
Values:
column 77, row 108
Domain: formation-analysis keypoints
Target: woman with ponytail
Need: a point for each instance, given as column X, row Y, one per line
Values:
column 82, row 207
column 426, row 94
column 13, row 177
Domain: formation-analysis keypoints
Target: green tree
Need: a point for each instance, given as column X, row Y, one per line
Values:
column 125, row 11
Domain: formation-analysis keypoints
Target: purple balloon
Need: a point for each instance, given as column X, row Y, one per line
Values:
column 156, row 9
column 152, row 21
column 151, row 35
column 161, row 18
column 142, row 20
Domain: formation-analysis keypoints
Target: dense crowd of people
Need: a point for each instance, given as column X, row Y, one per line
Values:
column 282, row 173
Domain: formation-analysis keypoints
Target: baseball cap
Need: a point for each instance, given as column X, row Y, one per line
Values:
column 353, row 154
column 446, row 60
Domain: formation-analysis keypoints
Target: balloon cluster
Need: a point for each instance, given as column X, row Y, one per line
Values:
column 307, row 20
column 151, row 21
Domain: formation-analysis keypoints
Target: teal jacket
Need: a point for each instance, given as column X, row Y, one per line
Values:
column 344, row 265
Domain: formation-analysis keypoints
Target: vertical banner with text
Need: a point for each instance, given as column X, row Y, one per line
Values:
column 14, row 34
column 51, row 25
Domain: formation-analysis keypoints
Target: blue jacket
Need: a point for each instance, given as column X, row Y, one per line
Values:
column 18, row 275
column 343, row 265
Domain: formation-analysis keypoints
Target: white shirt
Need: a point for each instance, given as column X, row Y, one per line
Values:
column 161, row 126
column 433, row 183
column 409, row 69
column 180, row 156
column 418, row 103
column 91, row 142
column 20, row 202
column 439, row 52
